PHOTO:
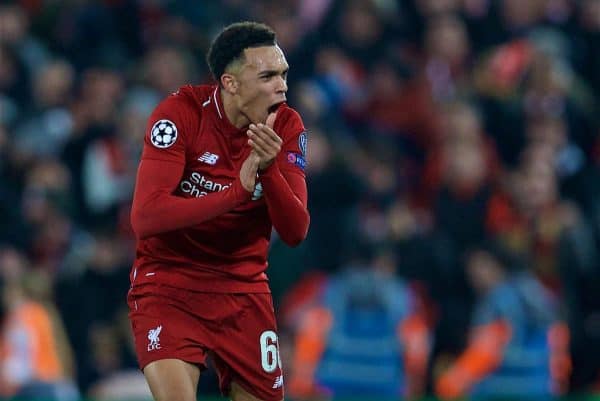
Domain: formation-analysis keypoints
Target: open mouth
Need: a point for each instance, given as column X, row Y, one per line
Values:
column 274, row 107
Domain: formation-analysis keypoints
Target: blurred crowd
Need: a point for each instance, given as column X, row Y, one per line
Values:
column 453, row 168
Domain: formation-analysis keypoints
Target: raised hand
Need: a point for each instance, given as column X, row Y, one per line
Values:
column 249, row 170
column 264, row 141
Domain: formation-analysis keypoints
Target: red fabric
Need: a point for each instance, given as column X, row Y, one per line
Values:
column 509, row 62
column 502, row 215
column 156, row 210
column 228, row 325
column 287, row 208
column 196, row 226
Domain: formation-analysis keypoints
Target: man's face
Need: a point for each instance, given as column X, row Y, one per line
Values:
column 262, row 82
column 483, row 271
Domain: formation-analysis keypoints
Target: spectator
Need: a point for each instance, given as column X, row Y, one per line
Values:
column 517, row 345
column 36, row 359
column 364, row 336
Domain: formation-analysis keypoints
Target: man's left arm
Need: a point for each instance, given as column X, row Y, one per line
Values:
column 286, row 197
column 282, row 173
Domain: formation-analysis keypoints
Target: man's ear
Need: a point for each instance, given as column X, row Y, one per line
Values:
column 229, row 83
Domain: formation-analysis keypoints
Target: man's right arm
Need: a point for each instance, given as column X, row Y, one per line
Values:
column 155, row 209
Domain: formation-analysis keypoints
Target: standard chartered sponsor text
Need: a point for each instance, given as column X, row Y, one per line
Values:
column 198, row 185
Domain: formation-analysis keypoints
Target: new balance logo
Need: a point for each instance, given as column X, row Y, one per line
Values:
column 209, row 158
column 153, row 337
column 278, row 382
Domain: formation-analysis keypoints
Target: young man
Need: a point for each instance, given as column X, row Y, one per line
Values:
column 222, row 165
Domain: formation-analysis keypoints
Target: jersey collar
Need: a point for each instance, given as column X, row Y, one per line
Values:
column 220, row 110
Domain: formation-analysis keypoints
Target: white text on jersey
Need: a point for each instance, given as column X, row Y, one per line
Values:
column 197, row 185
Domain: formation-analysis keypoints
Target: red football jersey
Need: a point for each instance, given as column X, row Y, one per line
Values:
column 197, row 227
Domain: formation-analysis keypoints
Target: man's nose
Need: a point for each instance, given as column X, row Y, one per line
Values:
column 282, row 85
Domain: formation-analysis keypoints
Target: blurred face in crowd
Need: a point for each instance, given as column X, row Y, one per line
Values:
column 258, row 83
column 385, row 80
column 319, row 151
column 359, row 23
column 547, row 77
column 53, row 84
column 13, row 24
column 464, row 168
column 106, row 254
column 484, row 271
column 550, row 131
column 13, row 266
column 538, row 184
column 47, row 187
column 464, row 157
column 590, row 14
column 167, row 69
column 285, row 22
column 446, row 39
column 519, row 13
column 101, row 91
column 461, row 123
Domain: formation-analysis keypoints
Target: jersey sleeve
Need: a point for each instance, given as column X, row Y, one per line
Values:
column 155, row 208
column 284, row 181
column 166, row 130
column 295, row 141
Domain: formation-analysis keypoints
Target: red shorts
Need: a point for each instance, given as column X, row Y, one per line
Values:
column 237, row 330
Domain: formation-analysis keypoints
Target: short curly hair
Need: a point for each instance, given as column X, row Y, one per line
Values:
column 230, row 44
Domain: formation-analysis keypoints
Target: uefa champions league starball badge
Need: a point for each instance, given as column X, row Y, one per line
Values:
column 302, row 143
column 163, row 134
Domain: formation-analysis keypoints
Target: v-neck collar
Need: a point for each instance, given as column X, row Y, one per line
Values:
column 227, row 126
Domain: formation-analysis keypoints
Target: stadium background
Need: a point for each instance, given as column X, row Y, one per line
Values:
column 432, row 124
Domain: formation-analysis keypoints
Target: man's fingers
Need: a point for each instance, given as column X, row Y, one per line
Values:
column 248, row 172
column 265, row 132
column 255, row 137
column 271, row 120
column 259, row 144
column 265, row 142
column 259, row 150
